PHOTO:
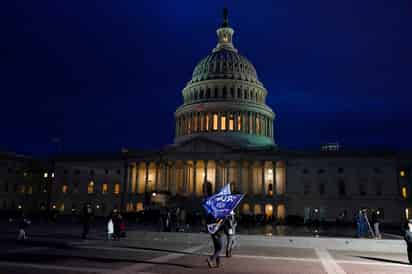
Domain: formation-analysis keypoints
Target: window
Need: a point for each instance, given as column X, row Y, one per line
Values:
column 91, row 172
column 77, row 172
column 306, row 188
column 104, row 188
column 377, row 170
column 65, row 171
column 106, row 171
column 64, row 189
column 362, row 189
column 30, row 189
column 6, row 187
column 231, row 122
column 321, row 188
column 270, row 189
column 404, row 192
column 341, row 188
column 118, row 171
column 116, row 189
column 239, row 123
column 22, row 189
column 305, row 171
column 90, row 187
column 215, row 118
column 340, row 170
column 402, row 173
column 321, row 171
column 378, row 188
column 207, row 122
column 250, row 123
column 223, row 122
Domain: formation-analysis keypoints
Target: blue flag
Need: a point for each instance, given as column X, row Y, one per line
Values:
column 221, row 204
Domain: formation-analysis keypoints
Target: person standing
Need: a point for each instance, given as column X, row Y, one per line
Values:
column 86, row 219
column 230, row 232
column 408, row 239
column 360, row 220
column 215, row 228
column 23, row 224
column 110, row 228
column 375, row 222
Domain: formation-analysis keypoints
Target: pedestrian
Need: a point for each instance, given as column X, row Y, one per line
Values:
column 360, row 223
column 408, row 239
column 22, row 226
column 116, row 224
column 230, row 232
column 215, row 228
column 376, row 219
column 122, row 226
column 110, row 228
column 86, row 219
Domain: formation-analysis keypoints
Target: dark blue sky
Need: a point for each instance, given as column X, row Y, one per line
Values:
column 101, row 75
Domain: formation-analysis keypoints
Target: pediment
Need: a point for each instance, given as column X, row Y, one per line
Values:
column 201, row 145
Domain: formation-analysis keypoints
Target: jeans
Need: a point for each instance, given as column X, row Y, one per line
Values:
column 377, row 231
column 217, row 244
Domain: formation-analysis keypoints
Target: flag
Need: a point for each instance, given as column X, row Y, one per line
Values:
column 221, row 204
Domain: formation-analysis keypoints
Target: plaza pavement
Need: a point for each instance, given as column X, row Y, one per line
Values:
column 142, row 252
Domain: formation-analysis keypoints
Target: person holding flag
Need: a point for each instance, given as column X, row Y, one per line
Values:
column 218, row 207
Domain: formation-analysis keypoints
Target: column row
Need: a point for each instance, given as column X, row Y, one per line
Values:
column 204, row 177
column 245, row 122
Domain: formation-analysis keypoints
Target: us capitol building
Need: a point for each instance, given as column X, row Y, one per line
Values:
column 224, row 134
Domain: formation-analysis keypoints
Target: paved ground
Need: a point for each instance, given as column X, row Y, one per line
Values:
column 185, row 253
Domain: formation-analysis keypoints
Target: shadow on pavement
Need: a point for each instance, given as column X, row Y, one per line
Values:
column 383, row 260
column 54, row 258
column 160, row 250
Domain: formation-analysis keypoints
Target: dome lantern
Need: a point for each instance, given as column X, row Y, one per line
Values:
column 225, row 35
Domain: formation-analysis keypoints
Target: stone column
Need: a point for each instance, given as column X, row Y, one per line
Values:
column 250, row 175
column 219, row 124
column 185, row 184
column 274, row 187
column 137, row 176
column 205, row 162
column 239, row 176
column 173, row 179
column 217, row 183
column 194, row 177
column 146, row 181
column 263, row 178
column 157, row 176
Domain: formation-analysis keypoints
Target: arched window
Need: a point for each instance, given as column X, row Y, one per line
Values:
column 257, row 124
column 207, row 93
column 223, row 122
column 90, row 187
column 201, row 94
column 216, row 93
column 232, row 92
column 215, row 120
column 231, row 122
column 239, row 122
column 207, row 122
column 239, row 95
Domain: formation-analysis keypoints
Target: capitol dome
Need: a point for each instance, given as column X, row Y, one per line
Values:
column 225, row 64
column 225, row 101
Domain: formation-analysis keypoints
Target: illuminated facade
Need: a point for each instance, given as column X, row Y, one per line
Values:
column 224, row 134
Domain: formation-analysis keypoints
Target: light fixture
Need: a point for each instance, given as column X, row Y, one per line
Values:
column 19, row 206
column 97, row 206
column 154, row 194
column 54, row 206
column 46, row 175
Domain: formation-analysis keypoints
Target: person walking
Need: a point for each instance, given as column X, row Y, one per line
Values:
column 360, row 224
column 110, row 228
column 376, row 219
column 23, row 224
column 230, row 232
column 86, row 219
column 408, row 239
column 215, row 228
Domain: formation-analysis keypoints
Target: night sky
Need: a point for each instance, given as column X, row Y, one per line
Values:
column 101, row 75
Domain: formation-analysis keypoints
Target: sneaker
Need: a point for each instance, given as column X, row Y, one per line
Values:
column 209, row 263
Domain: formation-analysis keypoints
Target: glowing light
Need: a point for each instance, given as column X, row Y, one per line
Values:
column 19, row 207
column 404, row 192
column 54, row 206
column 154, row 194
column 402, row 173
column 52, row 175
column 46, row 175
column 97, row 206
